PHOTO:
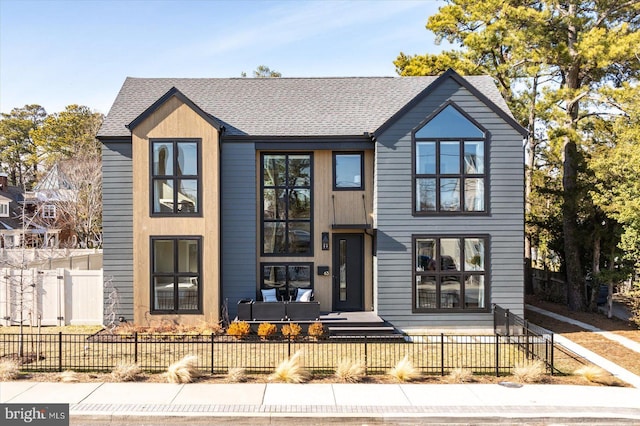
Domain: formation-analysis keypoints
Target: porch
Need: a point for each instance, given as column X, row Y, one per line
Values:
column 342, row 325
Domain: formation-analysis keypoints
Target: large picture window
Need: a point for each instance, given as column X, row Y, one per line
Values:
column 175, row 181
column 450, row 273
column 449, row 164
column 176, row 284
column 287, row 200
column 286, row 278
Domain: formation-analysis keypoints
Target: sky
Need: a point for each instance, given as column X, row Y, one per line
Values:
column 58, row 53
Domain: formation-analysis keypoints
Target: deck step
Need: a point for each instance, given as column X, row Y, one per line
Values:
column 368, row 330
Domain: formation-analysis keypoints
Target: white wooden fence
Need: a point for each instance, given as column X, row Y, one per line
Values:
column 55, row 297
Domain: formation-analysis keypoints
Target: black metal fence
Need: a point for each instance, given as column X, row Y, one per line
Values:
column 536, row 342
column 431, row 354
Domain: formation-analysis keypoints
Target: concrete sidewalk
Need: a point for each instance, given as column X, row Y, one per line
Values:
column 119, row 403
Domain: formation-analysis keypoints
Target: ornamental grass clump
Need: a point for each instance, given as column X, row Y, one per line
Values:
column 236, row 375
column 266, row 330
column 9, row 370
column 69, row 377
column 404, row 371
column 595, row 374
column 184, row 370
column 126, row 372
column 349, row 371
column 290, row 371
column 460, row 375
column 291, row 331
column 529, row 371
column 239, row 329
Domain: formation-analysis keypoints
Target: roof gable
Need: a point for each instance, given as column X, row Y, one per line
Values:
column 502, row 111
column 173, row 92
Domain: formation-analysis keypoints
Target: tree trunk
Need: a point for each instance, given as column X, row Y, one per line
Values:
column 595, row 268
column 528, row 184
column 571, row 197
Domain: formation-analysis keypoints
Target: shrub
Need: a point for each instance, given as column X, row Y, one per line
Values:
column 266, row 330
column 529, row 371
column 316, row 330
column 236, row 375
column 239, row 329
column 350, row 371
column 183, row 371
column 291, row 330
column 290, row 371
column 126, row 372
column 404, row 370
column 460, row 375
column 9, row 370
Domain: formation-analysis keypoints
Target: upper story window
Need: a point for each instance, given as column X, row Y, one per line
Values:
column 175, row 177
column 49, row 211
column 4, row 209
column 449, row 164
column 348, row 171
column 287, row 200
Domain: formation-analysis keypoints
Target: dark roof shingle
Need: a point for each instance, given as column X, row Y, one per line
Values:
column 346, row 106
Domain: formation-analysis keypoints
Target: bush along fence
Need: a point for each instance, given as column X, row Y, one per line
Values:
column 432, row 354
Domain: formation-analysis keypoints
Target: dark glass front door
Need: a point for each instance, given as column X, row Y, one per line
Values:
column 348, row 272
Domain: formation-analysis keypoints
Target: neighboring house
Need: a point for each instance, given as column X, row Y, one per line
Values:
column 402, row 196
column 18, row 230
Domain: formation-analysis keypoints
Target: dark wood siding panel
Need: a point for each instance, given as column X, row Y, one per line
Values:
column 117, row 225
column 395, row 223
column 238, row 162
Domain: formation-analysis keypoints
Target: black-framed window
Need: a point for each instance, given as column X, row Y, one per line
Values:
column 449, row 164
column 175, row 177
column 348, row 171
column 286, row 278
column 450, row 273
column 287, row 200
column 176, row 271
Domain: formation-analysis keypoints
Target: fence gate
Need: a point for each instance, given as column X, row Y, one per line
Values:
column 51, row 297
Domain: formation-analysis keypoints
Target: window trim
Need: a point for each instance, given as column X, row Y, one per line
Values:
column 152, row 275
column 310, row 253
column 415, row 176
column 286, row 265
column 486, row 273
column 174, row 177
column 362, row 177
column 49, row 211
column 4, row 209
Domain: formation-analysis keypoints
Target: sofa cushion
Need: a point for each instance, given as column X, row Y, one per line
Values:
column 269, row 295
column 304, row 295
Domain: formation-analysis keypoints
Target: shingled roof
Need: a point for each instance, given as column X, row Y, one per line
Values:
column 347, row 106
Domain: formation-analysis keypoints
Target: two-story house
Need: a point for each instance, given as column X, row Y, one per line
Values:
column 398, row 195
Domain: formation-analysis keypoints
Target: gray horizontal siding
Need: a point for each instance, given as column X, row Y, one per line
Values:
column 117, row 224
column 238, row 223
column 396, row 225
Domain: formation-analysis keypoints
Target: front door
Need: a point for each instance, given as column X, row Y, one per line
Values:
column 348, row 272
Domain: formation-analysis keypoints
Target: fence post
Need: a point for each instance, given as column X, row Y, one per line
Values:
column 60, row 351
column 526, row 335
column 442, row 354
column 497, row 355
column 289, row 347
column 506, row 322
column 135, row 347
column 212, row 353
column 552, row 346
column 366, row 355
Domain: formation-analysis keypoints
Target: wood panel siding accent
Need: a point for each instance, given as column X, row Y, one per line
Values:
column 239, row 223
column 504, row 222
column 349, row 208
column 175, row 119
column 117, row 226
